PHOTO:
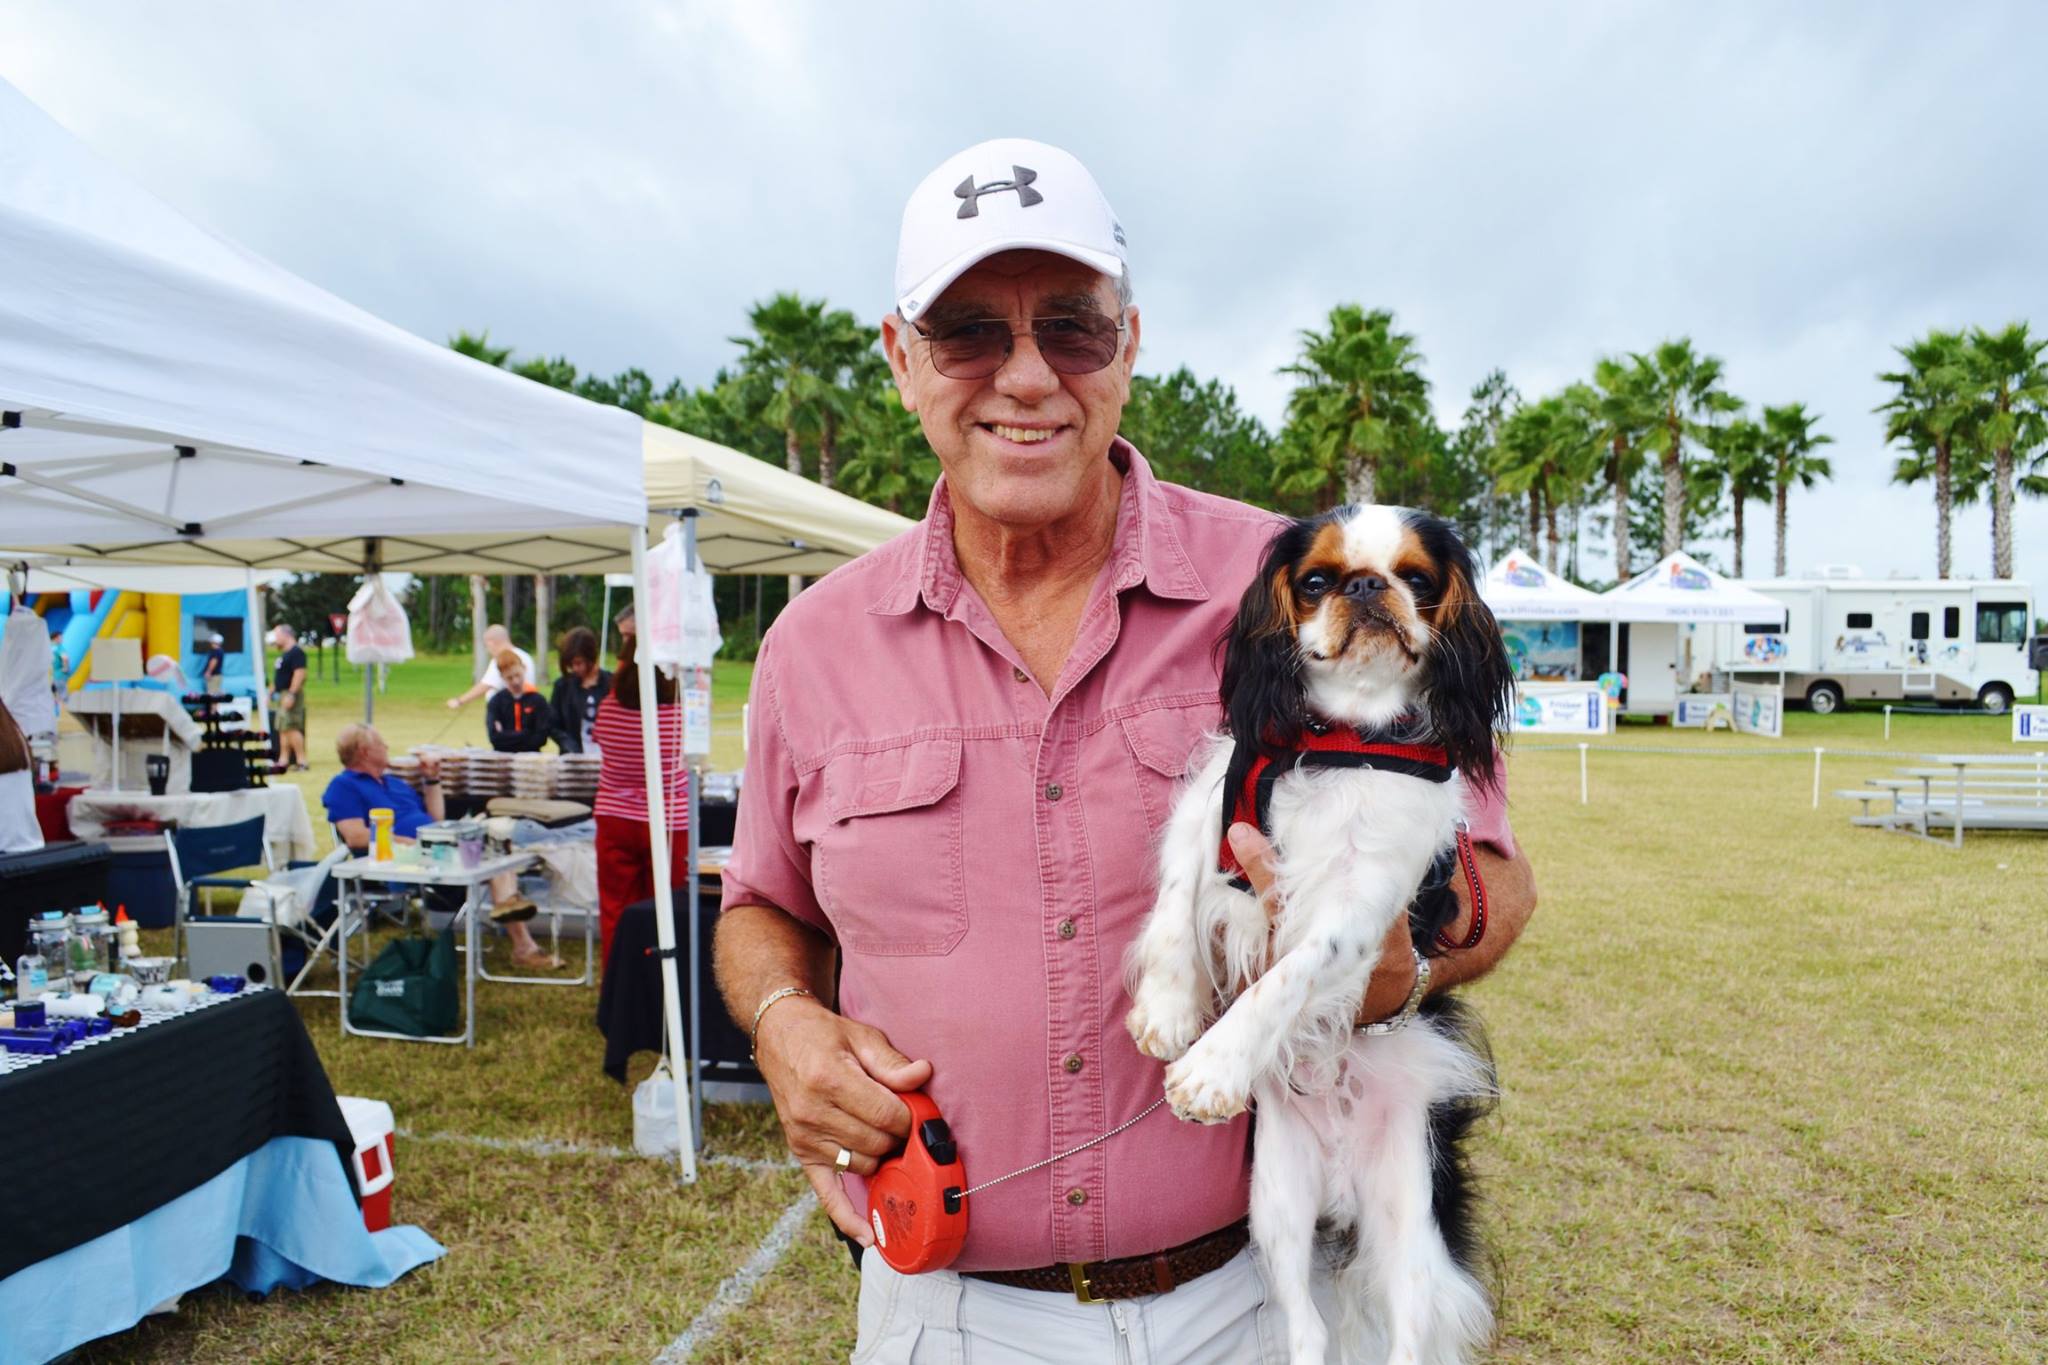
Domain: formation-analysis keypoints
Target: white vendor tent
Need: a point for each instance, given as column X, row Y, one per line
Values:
column 167, row 396
column 1519, row 588
column 1657, row 606
column 1680, row 588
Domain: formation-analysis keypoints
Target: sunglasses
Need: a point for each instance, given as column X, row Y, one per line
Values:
column 1078, row 343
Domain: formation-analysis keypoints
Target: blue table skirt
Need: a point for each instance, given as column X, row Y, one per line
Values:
column 281, row 1216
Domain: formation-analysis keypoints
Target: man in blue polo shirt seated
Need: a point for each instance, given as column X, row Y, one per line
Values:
column 365, row 783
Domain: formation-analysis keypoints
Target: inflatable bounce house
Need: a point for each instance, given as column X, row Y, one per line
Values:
column 176, row 631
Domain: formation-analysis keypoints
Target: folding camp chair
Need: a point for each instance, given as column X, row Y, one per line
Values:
column 200, row 856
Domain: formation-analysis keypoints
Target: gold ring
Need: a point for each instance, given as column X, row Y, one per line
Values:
column 843, row 1162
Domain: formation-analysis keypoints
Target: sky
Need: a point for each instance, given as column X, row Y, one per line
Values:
column 1527, row 186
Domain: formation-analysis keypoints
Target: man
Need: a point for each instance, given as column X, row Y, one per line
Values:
column 214, row 670
column 365, row 783
column 961, row 749
column 288, row 701
column 496, row 641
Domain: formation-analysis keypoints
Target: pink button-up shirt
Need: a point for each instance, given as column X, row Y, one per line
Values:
column 982, row 853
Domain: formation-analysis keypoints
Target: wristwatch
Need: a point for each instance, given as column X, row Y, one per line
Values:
column 1399, row 1019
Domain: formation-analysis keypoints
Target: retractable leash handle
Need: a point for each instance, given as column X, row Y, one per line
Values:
column 917, row 1203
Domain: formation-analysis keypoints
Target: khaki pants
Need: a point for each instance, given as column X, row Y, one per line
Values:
column 1223, row 1318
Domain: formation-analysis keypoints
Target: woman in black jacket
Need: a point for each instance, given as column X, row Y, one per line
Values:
column 517, row 718
column 578, row 691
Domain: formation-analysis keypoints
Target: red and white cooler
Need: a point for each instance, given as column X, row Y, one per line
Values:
column 371, row 1129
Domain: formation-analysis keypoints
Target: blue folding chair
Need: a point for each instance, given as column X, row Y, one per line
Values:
column 199, row 857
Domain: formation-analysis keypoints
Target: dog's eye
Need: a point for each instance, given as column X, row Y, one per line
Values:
column 1418, row 581
column 1315, row 583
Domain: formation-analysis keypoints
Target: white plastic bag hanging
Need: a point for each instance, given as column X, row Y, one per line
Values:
column 25, row 673
column 655, row 1132
column 680, row 624
column 378, row 631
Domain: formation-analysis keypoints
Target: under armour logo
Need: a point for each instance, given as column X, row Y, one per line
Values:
column 1026, row 196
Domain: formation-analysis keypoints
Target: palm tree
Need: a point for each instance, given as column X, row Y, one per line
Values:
column 2010, row 383
column 1360, row 403
column 1622, row 411
column 1740, row 466
column 1789, row 445
column 1547, row 452
column 478, row 346
column 1931, row 416
column 796, row 373
column 1683, row 387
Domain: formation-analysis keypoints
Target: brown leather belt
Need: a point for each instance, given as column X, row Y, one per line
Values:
column 1130, row 1277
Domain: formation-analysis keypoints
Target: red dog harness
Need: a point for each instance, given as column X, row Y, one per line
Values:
column 1344, row 746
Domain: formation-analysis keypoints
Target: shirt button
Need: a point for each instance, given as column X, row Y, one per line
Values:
column 1065, row 928
column 1073, row 1062
column 1077, row 1196
column 1054, row 791
column 1020, row 675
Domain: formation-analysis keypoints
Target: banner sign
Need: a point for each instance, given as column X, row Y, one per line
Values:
column 2030, row 724
column 1759, row 710
column 1561, row 709
column 1695, row 707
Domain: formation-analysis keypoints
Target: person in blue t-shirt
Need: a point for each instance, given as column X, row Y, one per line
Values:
column 365, row 783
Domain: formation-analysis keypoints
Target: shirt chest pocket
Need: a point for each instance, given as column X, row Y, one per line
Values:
column 1162, row 742
column 890, row 868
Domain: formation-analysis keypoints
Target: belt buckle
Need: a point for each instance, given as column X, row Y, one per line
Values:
column 1077, row 1273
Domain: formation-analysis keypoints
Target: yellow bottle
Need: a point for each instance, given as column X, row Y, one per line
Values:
column 380, row 823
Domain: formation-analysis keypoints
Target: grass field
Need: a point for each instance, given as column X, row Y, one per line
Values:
column 1775, row 1089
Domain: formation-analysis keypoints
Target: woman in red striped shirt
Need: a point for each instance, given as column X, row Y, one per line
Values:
column 625, row 857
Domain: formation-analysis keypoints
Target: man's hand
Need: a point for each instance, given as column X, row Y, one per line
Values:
column 430, row 766
column 1392, row 979
column 455, row 703
column 835, row 1084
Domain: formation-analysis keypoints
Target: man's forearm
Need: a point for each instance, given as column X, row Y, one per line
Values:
column 758, row 949
column 1510, row 899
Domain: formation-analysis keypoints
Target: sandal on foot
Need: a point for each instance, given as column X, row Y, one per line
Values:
column 514, row 911
column 537, row 961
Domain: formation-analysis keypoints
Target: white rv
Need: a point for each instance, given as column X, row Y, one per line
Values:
column 1851, row 638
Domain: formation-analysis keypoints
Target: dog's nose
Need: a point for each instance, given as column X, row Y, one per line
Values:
column 1365, row 585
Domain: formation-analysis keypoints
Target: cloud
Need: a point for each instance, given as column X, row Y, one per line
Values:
column 1529, row 186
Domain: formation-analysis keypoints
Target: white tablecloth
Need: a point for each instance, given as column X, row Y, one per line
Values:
column 152, row 722
column 286, row 828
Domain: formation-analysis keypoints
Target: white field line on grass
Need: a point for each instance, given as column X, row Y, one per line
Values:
column 739, row 1287
column 554, row 1147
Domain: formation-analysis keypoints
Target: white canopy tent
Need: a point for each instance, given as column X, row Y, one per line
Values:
column 1658, row 605
column 1519, row 588
column 168, row 396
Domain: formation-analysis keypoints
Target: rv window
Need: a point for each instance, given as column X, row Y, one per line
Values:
column 1765, row 629
column 2001, row 623
column 1919, row 629
column 1951, row 622
column 1859, row 620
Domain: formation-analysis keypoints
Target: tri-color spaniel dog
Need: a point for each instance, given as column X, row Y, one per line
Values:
column 1363, row 685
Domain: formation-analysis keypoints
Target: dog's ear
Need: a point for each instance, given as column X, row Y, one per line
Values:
column 1262, row 689
column 1469, row 688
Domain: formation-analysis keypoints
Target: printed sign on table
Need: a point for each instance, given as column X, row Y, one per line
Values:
column 1695, row 707
column 1759, row 710
column 2030, row 724
column 1560, row 709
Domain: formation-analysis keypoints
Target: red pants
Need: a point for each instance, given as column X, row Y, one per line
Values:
column 625, row 871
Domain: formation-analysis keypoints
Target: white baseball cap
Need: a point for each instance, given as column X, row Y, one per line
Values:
column 1010, row 194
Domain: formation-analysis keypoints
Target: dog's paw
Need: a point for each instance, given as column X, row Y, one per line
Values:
column 1203, row 1087
column 1162, row 1028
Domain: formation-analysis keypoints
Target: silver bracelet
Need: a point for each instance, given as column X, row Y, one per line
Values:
column 1399, row 1019
column 754, row 1028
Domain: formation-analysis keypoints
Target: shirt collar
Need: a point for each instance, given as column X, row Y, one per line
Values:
column 1146, row 548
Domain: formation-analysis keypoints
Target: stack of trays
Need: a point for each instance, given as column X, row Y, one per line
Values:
column 576, row 777
column 406, row 768
column 453, row 769
column 488, row 773
column 533, row 776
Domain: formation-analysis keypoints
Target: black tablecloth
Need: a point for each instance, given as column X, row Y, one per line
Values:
column 58, row 876
column 93, row 1139
column 629, row 1002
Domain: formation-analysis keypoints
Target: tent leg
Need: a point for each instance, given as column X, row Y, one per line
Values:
column 696, row 1003
column 664, row 880
column 373, row 559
